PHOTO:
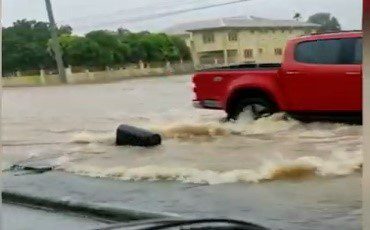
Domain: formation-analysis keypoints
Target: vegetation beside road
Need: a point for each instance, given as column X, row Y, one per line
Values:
column 26, row 46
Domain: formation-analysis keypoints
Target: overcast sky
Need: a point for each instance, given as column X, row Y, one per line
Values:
column 86, row 15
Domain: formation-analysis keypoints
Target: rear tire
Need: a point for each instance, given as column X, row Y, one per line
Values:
column 257, row 107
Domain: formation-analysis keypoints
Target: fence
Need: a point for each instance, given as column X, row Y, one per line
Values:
column 108, row 75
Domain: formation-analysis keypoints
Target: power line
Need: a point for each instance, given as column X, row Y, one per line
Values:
column 134, row 10
column 168, row 13
column 175, row 12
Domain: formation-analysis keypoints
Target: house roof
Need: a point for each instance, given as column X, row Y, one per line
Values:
column 237, row 22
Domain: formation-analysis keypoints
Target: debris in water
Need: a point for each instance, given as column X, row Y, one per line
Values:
column 129, row 135
column 31, row 168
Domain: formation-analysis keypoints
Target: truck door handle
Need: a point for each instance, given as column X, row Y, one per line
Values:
column 217, row 79
column 292, row 72
column 353, row 73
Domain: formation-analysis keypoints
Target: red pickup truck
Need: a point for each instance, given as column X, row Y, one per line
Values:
column 320, row 77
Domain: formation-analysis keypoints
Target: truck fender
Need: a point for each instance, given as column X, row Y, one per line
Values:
column 266, row 85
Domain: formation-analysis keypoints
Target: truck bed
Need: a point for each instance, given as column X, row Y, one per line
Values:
column 212, row 85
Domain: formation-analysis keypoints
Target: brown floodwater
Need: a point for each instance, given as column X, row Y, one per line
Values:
column 73, row 128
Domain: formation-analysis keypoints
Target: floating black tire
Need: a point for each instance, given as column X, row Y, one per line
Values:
column 129, row 135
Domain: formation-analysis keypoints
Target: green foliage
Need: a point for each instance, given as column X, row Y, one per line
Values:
column 26, row 46
column 184, row 51
column 136, row 50
column 328, row 23
column 109, row 42
column 65, row 30
column 83, row 51
column 159, row 47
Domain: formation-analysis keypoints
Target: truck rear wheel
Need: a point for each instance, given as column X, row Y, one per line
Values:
column 254, row 107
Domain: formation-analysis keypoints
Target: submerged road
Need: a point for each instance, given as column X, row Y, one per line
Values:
column 250, row 169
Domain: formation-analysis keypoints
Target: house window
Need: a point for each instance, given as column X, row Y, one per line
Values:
column 208, row 38
column 248, row 53
column 278, row 51
column 260, row 50
column 233, row 36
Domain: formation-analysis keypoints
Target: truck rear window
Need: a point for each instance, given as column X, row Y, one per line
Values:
column 330, row 51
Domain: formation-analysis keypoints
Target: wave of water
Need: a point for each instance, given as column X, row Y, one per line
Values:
column 340, row 163
column 191, row 129
column 85, row 137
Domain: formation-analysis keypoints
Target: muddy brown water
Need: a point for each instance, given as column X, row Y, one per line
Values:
column 73, row 128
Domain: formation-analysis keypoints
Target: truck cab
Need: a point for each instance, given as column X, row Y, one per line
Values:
column 323, row 73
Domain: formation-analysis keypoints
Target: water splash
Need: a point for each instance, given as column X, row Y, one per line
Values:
column 193, row 130
column 92, row 137
column 188, row 130
column 340, row 163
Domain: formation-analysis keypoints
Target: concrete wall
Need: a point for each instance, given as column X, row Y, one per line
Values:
column 266, row 39
column 99, row 77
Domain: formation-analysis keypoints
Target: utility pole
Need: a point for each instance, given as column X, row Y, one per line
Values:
column 55, row 43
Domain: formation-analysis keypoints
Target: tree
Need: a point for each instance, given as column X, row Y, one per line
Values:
column 109, row 41
column 160, row 47
column 183, row 49
column 122, row 31
column 136, row 49
column 82, row 51
column 297, row 16
column 138, row 52
column 25, row 46
column 65, row 30
column 65, row 41
column 328, row 23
